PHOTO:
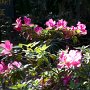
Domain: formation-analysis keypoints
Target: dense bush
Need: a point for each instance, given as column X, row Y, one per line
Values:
column 53, row 57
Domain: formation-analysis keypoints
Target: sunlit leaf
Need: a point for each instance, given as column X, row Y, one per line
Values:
column 18, row 86
column 44, row 47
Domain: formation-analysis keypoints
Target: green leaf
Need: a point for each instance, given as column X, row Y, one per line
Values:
column 78, row 31
column 18, row 86
column 75, row 39
column 53, row 56
column 72, row 85
column 45, row 59
column 13, row 87
column 1, row 49
column 32, row 44
column 42, row 60
column 21, row 45
column 41, row 48
column 45, row 31
column 44, row 47
column 37, row 50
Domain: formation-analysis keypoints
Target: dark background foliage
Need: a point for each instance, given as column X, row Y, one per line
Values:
column 70, row 10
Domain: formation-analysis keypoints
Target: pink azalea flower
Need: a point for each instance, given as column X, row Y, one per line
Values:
column 18, row 24
column 82, row 28
column 3, row 67
column 70, row 59
column 73, row 28
column 66, row 80
column 61, row 24
column 17, row 64
column 38, row 30
column 27, row 21
column 14, row 65
column 7, row 47
column 50, row 23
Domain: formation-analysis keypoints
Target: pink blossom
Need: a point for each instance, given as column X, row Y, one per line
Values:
column 70, row 59
column 38, row 30
column 61, row 24
column 82, row 28
column 66, row 80
column 7, row 47
column 14, row 65
column 6, row 68
column 18, row 24
column 3, row 67
column 27, row 21
column 50, row 23
column 73, row 28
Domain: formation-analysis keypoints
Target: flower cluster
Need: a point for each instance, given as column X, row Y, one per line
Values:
column 62, row 25
column 68, row 32
column 70, row 59
column 6, row 49
column 4, row 68
column 27, row 21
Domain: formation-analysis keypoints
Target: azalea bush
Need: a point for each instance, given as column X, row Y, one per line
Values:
column 53, row 57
